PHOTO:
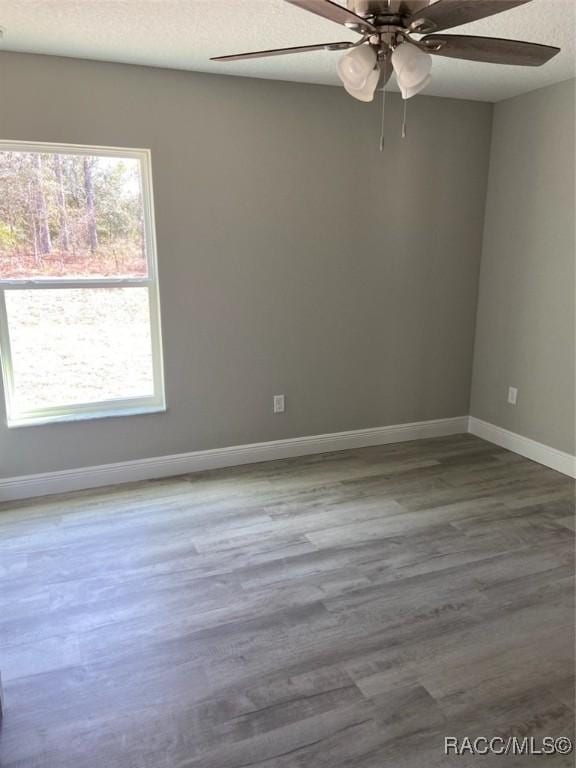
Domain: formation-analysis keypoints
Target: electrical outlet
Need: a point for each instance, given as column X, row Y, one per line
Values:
column 279, row 404
column 512, row 395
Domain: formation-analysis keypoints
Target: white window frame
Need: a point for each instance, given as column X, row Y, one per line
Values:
column 106, row 408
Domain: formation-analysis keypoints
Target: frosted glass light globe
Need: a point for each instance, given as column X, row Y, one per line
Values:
column 354, row 67
column 367, row 92
column 412, row 67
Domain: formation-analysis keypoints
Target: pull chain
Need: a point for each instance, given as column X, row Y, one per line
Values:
column 404, row 119
column 386, row 77
column 382, row 126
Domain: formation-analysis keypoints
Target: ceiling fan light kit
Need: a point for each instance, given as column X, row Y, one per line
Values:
column 412, row 68
column 359, row 72
column 403, row 33
column 408, row 92
column 356, row 66
column 367, row 91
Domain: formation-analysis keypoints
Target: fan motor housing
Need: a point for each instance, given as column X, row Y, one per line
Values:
column 382, row 10
column 369, row 7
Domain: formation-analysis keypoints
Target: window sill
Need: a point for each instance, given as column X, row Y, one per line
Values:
column 66, row 418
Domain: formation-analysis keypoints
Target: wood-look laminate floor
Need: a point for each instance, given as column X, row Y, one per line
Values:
column 349, row 609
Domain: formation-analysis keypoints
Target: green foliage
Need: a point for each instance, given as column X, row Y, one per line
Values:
column 8, row 238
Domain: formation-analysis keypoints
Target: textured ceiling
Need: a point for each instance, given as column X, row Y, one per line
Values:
column 183, row 34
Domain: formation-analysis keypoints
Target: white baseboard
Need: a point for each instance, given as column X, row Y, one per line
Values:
column 27, row 486
column 531, row 449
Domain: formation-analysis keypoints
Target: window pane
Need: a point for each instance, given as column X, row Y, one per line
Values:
column 66, row 215
column 72, row 346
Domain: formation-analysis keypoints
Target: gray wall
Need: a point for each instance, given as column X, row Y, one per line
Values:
column 293, row 256
column 526, row 325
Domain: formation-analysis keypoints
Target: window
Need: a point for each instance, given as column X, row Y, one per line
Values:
column 79, row 308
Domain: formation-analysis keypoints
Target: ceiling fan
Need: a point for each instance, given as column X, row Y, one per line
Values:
column 387, row 42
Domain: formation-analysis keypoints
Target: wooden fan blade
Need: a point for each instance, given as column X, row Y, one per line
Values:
column 445, row 14
column 334, row 12
column 284, row 51
column 493, row 50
